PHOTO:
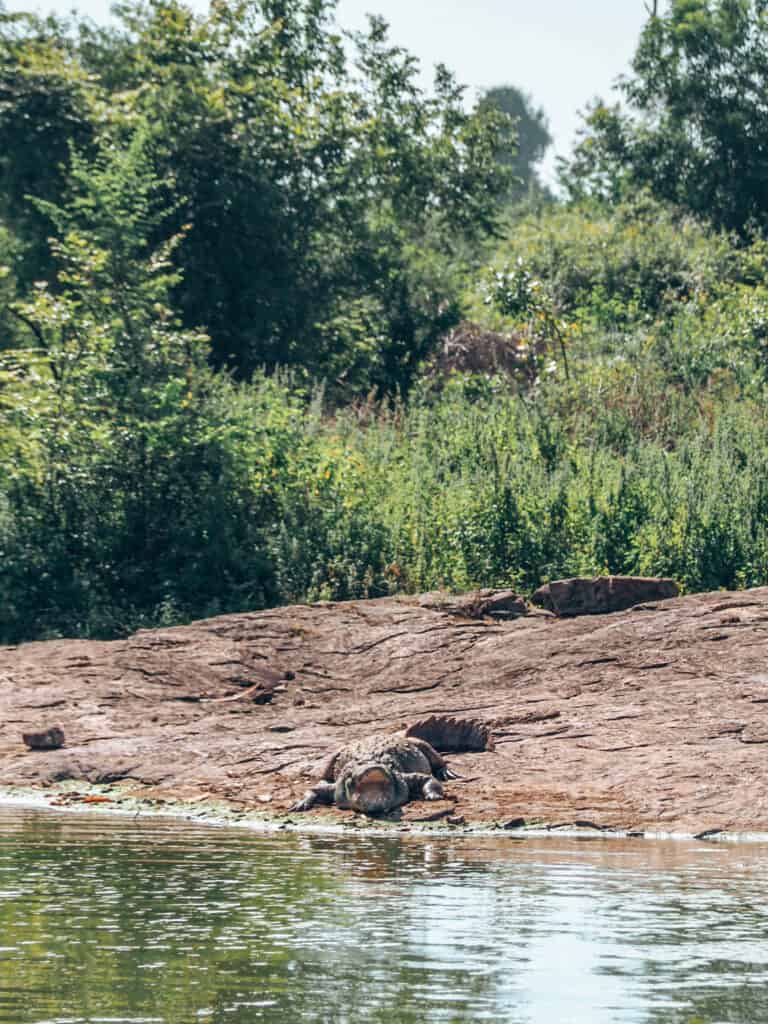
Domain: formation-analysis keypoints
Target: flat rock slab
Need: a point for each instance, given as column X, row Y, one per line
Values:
column 654, row 718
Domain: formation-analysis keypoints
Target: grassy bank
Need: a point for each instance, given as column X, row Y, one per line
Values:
column 276, row 503
column 139, row 486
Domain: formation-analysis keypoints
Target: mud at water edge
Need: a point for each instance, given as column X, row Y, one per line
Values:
column 85, row 798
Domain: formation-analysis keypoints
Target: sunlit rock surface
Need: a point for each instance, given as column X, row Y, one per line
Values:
column 651, row 718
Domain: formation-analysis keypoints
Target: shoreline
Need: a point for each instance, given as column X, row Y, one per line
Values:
column 68, row 801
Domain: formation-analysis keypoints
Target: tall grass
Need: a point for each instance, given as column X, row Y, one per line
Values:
column 446, row 492
column 652, row 458
column 460, row 495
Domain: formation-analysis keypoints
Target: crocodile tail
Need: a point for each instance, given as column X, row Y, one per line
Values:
column 451, row 735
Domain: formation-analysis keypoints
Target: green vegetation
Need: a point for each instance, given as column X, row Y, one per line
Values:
column 522, row 142
column 222, row 297
column 696, row 125
column 323, row 201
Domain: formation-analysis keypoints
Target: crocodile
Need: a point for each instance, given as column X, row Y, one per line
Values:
column 379, row 774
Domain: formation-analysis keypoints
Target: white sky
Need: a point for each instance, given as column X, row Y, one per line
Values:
column 563, row 52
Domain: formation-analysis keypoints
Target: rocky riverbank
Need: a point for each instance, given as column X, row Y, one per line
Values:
column 649, row 719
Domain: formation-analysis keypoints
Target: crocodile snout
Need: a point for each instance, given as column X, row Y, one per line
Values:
column 372, row 790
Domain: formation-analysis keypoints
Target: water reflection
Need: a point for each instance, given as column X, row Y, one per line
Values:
column 111, row 918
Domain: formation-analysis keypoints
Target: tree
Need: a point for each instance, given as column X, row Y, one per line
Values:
column 696, row 127
column 525, row 137
column 327, row 198
column 110, row 441
column 45, row 107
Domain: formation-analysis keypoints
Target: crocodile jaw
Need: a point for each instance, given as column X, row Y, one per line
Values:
column 372, row 791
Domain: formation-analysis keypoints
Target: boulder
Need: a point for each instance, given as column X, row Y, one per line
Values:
column 584, row 596
column 654, row 719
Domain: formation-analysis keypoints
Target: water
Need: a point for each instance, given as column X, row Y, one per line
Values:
column 119, row 920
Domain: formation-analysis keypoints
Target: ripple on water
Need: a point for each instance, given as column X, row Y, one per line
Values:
column 115, row 919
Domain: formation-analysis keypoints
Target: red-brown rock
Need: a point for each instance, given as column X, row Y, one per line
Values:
column 584, row 596
column 653, row 718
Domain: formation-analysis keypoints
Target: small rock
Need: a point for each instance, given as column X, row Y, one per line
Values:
column 514, row 823
column 456, row 819
column 50, row 739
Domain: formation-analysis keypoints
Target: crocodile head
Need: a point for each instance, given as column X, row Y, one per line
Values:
column 372, row 788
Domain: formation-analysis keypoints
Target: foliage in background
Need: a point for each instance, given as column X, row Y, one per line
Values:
column 327, row 199
column 142, row 487
column 230, row 191
column 269, row 502
column 110, row 422
column 523, row 141
column 696, row 128
column 635, row 281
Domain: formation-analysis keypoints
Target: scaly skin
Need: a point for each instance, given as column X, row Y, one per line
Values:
column 378, row 775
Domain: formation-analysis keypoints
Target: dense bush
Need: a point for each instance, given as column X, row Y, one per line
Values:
column 141, row 487
column 269, row 502
column 323, row 200
column 628, row 264
column 623, row 429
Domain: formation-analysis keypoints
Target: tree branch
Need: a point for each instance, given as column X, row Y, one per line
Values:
column 35, row 328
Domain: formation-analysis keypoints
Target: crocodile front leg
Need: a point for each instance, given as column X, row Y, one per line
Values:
column 322, row 793
column 423, row 787
column 436, row 761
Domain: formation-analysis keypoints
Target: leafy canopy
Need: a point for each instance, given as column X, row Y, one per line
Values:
column 523, row 140
column 328, row 201
column 695, row 130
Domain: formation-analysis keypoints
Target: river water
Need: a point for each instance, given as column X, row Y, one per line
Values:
column 113, row 919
